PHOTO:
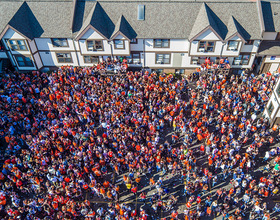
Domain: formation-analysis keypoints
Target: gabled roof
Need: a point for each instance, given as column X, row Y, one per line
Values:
column 55, row 17
column 124, row 28
column 99, row 21
column 234, row 28
column 204, row 21
column 25, row 23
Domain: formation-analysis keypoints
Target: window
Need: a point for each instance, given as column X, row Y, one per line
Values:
column 242, row 59
column 17, row 44
column 161, row 43
column 119, row 44
column 195, row 60
column 249, row 42
column 162, row 58
column 24, row 61
column 94, row 45
column 206, row 46
column 233, row 45
column 133, row 41
column 59, row 42
column 134, row 58
column 180, row 71
column 64, row 57
column 141, row 12
column 270, row 108
column 91, row 59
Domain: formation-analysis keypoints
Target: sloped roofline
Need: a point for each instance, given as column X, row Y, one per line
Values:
column 10, row 27
column 78, row 37
column 117, row 33
column 236, row 34
column 205, row 29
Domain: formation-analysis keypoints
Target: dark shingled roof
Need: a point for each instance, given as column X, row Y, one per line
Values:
column 124, row 27
column 269, row 48
column 99, row 19
column 26, row 23
column 179, row 19
column 234, row 27
column 204, row 19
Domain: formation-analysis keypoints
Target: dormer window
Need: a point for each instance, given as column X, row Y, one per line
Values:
column 206, row 46
column 233, row 45
column 17, row 45
column 94, row 45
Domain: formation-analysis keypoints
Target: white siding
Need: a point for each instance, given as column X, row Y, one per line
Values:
column 46, row 44
column 122, row 52
column 50, row 59
column 251, row 48
column 252, row 58
column 273, row 67
column 186, row 60
column 47, row 59
column 194, row 49
column 179, row 45
column 268, row 59
column 138, row 46
column 91, row 34
column 207, row 35
column 81, row 60
column 37, row 60
column 32, row 46
column 151, row 61
column 83, row 47
column 235, row 38
column 119, row 37
column 174, row 45
column 256, row 46
column 11, row 34
column 247, row 48
column 227, row 52
column 269, row 35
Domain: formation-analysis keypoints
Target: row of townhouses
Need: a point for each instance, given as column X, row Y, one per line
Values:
column 172, row 35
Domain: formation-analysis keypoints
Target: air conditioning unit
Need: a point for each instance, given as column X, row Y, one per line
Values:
column 159, row 62
column 201, row 49
column 194, row 62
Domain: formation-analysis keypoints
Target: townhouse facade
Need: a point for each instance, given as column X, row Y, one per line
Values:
column 169, row 35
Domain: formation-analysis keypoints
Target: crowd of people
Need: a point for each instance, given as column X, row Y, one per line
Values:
column 68, row 132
